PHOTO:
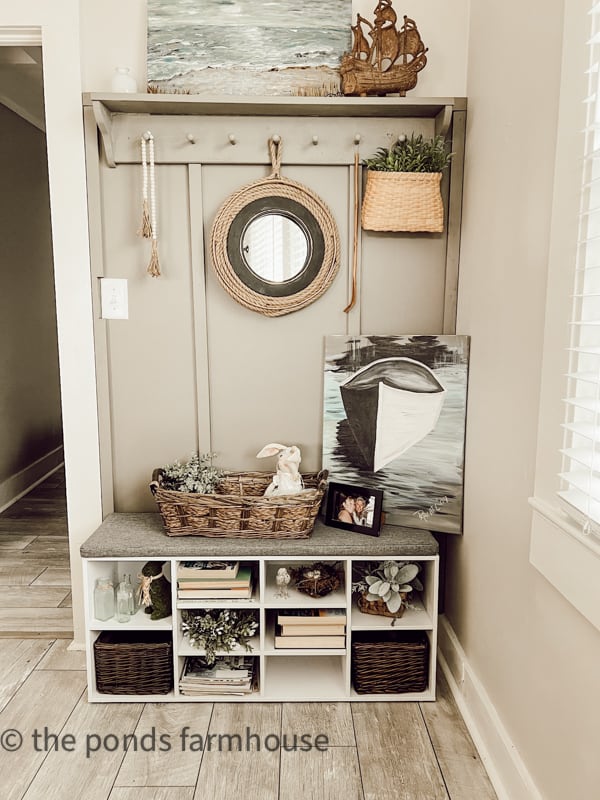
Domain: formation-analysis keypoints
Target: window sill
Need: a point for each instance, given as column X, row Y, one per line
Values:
column 568, row 559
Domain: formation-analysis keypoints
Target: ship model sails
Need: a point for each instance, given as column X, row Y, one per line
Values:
column 391, row 404
column 389, row 62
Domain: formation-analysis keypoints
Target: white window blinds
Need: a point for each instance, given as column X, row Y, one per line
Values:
column 580, row 476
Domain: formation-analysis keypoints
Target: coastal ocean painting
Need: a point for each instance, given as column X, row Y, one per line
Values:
column 244, row 47
column 394, row 419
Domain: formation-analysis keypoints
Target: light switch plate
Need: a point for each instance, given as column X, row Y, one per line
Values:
column 113, row 298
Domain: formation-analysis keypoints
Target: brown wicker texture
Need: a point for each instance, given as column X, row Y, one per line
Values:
column 379, row 607
column 244, row 513
column 317, row 580
column 274, row 187
column 390, row 663
column 403, row 201
column 134, row 662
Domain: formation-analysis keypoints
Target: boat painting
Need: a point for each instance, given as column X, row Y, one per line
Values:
column 394, row 419
column 391, row 405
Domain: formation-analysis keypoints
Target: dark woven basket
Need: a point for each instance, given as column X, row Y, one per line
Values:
column 386, row 662
column 134, row 662
column 239, row 510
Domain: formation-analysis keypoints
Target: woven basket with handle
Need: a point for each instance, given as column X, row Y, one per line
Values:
column 403, row 201
column 239, row 509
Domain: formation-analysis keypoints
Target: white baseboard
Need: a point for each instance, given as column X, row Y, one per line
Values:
column 508, row 774
column 19, row 484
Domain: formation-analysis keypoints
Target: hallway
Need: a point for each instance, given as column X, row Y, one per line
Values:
column 35, row 579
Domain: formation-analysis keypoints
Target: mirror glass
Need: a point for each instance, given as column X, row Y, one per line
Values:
column 275, row 247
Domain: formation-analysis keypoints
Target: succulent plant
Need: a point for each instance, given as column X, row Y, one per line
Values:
column 389, row 581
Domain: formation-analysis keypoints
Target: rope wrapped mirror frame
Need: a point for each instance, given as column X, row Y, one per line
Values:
column 293, row 201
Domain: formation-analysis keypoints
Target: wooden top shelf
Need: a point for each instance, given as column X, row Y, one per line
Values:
column 143, row 536
column 184, row 104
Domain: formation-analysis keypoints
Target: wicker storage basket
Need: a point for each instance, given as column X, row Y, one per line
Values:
column 403, row 201
column 134, row 662
column 379, row 607
column 239, row 510
column 387, row 662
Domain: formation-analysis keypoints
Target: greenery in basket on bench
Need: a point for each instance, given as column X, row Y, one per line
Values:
column 390, row 582
column 196, row 475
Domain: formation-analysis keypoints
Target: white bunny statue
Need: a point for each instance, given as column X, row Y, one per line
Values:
column 287, row 479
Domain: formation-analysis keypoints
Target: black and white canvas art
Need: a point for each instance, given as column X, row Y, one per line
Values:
column 394, row 419
column 244, row 47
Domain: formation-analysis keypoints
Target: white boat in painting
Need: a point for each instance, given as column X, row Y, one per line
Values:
column 391, row 404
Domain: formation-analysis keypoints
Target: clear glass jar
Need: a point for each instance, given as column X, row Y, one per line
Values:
column 104, row 599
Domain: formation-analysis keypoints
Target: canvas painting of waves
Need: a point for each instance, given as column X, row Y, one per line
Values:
column 394, row 419
column 244, row 47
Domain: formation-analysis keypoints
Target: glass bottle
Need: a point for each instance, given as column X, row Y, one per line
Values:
column 104, row 599
column 132, row 604
column 124, row 594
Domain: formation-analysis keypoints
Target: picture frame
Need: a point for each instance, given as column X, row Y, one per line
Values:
column 344, row 511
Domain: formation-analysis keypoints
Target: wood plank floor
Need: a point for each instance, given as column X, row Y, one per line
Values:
column 376, row 751
column 419, row 751
column 35, row 579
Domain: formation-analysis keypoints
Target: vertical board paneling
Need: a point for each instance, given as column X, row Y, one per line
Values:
column 151, row 355
column 266, row 373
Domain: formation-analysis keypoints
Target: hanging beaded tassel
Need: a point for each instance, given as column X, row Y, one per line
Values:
column 146, row 229
column 153, row 266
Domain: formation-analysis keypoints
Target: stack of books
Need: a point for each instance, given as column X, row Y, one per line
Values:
column 213, row 580
column 228, row 675
column 322, row 628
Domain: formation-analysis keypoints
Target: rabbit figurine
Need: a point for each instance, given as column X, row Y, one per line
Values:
column 287, row 479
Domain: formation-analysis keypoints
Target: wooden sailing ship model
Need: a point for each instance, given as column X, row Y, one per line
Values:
column 387, row 64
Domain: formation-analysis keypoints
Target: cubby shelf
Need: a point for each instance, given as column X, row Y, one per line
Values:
column 298, row 674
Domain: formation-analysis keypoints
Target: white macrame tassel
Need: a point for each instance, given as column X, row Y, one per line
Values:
column 146, row 229
column 149, row 187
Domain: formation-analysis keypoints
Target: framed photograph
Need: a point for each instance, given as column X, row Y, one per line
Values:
column 354, row 508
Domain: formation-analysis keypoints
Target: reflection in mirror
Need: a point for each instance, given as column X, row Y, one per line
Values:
column 275, row 247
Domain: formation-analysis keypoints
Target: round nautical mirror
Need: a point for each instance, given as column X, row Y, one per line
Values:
column 275, row 247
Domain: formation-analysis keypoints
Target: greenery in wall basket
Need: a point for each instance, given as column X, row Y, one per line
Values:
column 416, row 154
column 218, row 630
column 403, row 186
column 196, row 475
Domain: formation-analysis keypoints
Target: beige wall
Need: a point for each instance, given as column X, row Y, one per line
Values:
column 536, row 657
column 30, row 417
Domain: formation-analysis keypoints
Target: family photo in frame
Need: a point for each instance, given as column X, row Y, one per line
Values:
column 354, row 508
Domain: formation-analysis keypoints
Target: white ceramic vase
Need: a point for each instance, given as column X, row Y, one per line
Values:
column 123, row 81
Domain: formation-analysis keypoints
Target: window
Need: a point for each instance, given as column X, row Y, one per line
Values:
column 565, row 530
column 580, row 476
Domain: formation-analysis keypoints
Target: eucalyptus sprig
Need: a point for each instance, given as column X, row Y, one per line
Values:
column 219, row 629
column 412, row 155
column 196, row 475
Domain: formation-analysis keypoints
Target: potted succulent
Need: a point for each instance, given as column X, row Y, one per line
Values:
column 403, row 186
column 384, row 588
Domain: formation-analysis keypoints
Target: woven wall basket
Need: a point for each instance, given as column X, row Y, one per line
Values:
column 403, row 201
